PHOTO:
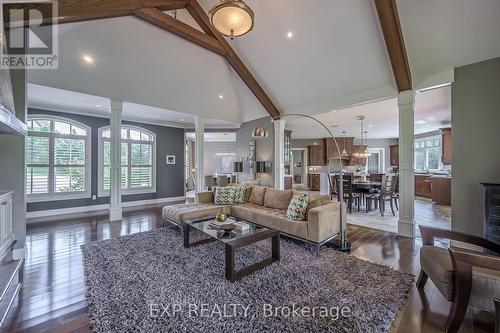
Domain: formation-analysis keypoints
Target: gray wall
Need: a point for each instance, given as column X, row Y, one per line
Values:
column 218, row 164
column 169, row 178
column 475, row 136
column 12, row 164
column 264, row 147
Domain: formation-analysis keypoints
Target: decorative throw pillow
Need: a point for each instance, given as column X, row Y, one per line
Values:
column 224, row 195
column 298, row 206
column 239, row 195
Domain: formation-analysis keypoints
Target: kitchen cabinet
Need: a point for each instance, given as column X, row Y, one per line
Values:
column 355, row 160
column 314, row 181
column 6, row 234
column 423, row 187
column 288, row 182
column 446, row 146
column 394, row 155
column 441, row 190
column 317, row 156
column 346, row 143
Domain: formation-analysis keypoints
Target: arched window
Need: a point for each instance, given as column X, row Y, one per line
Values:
column 138, row 160
column 57, row 159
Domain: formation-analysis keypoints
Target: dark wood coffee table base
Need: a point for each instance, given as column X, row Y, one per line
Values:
column 231, row 247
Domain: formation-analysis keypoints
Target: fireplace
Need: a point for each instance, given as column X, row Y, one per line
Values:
column 492, row 212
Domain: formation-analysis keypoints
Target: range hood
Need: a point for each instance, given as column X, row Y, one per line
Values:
column 10, row 124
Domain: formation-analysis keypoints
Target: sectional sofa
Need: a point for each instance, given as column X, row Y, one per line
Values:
column 267, row 207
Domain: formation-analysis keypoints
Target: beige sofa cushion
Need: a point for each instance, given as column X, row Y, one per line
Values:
column 295, row 228
column 257, row 195
column 245, row 211
column 277, row 199
column 192, row 211
column 316, row 201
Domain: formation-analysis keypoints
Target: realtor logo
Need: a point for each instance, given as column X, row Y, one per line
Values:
column 29, row 37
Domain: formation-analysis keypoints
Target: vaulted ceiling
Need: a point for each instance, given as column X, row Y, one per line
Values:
column 336, row 57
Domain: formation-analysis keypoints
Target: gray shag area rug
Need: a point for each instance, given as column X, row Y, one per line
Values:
column 148, row 282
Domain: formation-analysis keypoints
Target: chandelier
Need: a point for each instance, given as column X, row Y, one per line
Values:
column 364, row 153
column 232, row 18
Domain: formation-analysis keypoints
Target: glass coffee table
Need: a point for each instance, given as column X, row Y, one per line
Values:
column 234, row 240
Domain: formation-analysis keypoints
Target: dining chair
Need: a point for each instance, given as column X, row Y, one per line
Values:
column 349, row 196
column 396, row 195
column 464, row 277
column 386, row 194
column 376, row 177
column 222, row 180
column 209, row 182
column 234, row 179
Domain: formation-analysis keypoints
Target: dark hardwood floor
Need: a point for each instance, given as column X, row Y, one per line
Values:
column 53, row 297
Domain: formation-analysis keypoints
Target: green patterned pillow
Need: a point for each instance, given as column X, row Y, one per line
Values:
column 239, row 195
column 298, row 206
column 224, row 195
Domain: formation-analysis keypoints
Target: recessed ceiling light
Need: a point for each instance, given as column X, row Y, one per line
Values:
column 370, row 125
column 98, row 105
column 182, row 119
column 88, row 59
column 221, row 97
column 334, row 111
column 289, row 34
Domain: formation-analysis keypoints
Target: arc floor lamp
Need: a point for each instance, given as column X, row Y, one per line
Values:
column 341, row 243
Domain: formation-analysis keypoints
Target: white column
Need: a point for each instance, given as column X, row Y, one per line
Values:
column 115, row 197
column 406, row 102
column 199, row 124
column 279, row 154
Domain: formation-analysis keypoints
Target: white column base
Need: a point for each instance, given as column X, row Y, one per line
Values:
column 115, row 214
column 406, row 228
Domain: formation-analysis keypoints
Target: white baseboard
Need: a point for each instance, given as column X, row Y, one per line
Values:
column 96, row 209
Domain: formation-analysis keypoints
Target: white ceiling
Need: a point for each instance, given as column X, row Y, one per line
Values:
column 336, row 58
column 432, row 111
column 47, row 98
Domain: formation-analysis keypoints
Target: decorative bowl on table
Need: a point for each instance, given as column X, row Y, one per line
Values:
column 228, row 227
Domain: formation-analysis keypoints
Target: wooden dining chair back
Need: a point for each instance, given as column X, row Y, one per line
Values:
column 222, row 180
column 209, row 182
column 389, row 183
column 349, row 195
column 376, row 177
column 386, row 194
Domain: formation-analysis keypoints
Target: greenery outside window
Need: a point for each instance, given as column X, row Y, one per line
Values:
column 428, row 153
column 57, row 159
column 138, row 160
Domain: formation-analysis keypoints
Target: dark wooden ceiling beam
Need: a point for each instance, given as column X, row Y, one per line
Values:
column 239, row 67
column 391, row 28
column 181, row 29
column 70, row 11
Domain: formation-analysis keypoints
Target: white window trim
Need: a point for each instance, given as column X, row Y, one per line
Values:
column 426, row 149
column 87, row 193
column 100, row 182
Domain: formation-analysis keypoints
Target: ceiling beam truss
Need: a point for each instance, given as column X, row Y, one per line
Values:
column 391, row 28
column 152, row 11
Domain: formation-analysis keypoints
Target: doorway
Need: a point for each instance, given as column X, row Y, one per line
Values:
column 299, row 168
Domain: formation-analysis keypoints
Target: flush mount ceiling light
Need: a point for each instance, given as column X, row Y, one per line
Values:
column 232, row 18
